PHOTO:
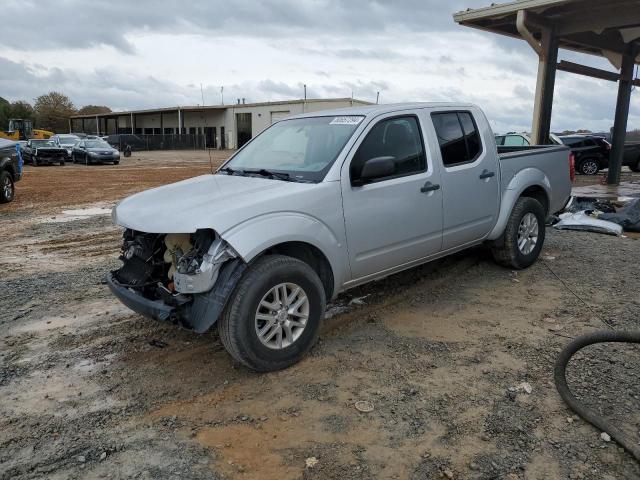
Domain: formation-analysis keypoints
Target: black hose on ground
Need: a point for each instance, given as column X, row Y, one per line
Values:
column 559, row 375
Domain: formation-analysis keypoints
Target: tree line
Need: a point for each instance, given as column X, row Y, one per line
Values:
column 50, row 111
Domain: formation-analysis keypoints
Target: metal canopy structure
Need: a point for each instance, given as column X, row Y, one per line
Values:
column 606, row 28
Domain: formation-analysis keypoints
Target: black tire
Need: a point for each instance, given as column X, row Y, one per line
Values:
column 636, row 166
column 62, row 163
column 86, row 160
column 506, row 251
column 589, row 166
column 237, row 326
column 117, row 162
column 34, row 161
column 6, row 194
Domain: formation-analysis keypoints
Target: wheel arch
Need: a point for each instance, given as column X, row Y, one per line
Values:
column 297, row 235
column 530, row 182
column 309, row 254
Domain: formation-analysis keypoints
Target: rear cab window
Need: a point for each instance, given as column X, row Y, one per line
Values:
column 458, row 137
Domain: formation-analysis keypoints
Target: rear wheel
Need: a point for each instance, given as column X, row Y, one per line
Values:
column 635, row 167
column 523, row 237
column 589, row 166
column 272, row 318
column 86, row 159
column 6, row 187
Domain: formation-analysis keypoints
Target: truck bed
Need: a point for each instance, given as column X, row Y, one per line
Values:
column 551, row 160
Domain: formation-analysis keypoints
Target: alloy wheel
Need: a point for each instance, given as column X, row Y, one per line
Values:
column 528, row 233
column 282, row 316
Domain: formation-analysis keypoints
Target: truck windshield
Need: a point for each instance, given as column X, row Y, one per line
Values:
column 303, row 148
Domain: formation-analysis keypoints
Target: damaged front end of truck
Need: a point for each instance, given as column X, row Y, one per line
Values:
column 182, row 278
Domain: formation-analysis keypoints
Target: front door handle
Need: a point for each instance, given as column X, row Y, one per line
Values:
column 487, row 174
column 429, row 187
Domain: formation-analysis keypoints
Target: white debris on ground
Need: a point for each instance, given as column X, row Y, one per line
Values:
column 311, row 462
column 79, row 214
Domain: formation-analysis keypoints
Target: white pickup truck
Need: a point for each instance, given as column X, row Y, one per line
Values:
column 326, row 201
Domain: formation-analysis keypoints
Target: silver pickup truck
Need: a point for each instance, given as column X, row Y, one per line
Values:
column 320, row 203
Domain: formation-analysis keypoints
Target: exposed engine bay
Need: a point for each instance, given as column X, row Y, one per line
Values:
column 177, row 271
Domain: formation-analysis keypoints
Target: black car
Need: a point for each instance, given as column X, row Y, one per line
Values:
column 10, row 170
column 91, row 150
column 632, row 156
column 43, row 152
column 591, row 153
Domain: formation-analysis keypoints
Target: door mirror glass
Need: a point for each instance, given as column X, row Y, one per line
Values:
column 378, row 167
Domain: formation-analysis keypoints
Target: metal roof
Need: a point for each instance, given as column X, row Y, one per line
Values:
column 597, row 27
column 198, row 108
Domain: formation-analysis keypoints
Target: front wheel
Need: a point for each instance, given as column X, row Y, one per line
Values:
column 6, row 187
column 589, row 166
column 272, row 318
column 523, row 236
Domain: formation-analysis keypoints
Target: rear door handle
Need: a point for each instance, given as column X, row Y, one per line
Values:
column 487, row 174
column 429, row 187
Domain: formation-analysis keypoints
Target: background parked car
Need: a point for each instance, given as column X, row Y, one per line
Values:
column 632, row 156
column 90, row 151
column 512, row 139
column 591, row 153
column 10, row 170
column 66, row 141
column 43, row 152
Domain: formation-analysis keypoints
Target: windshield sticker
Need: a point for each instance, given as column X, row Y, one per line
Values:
column 346, row 120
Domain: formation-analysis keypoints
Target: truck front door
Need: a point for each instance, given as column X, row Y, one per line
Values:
column 470, row 179
column 395, row 219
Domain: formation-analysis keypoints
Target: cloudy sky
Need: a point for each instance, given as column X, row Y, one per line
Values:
column 137, row 54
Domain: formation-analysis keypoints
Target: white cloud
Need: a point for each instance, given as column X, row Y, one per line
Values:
column 152, row 54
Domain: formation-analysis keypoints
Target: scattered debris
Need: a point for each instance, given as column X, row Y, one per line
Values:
column 364, row 406
column 522, row 387
column 82, row 458
column 311, row 462
column 628, row 217
column 582, row 221
column 605, row 437
column 358, row 300
column 103, row 456
column 158, row 343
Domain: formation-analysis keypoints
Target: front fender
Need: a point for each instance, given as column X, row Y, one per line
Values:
column 525, row 178
column 252, row 237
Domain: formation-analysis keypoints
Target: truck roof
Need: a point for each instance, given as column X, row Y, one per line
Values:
column 373, row 110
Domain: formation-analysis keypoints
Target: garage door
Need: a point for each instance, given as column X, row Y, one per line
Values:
column 277, row 116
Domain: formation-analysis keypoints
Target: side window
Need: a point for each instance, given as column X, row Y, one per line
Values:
column 458, row 137
column 500, row 139
column 471, row 135
column 397, row 137
column 450, row 138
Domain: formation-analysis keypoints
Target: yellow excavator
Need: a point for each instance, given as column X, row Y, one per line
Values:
column 20, row 129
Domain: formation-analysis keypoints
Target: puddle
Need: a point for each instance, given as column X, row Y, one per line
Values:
column 78, row 214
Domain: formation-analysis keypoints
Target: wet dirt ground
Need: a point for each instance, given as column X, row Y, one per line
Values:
column 444, row 353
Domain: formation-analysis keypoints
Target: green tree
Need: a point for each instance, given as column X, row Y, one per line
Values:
column 53, row 111
column 5, row 106
column 93, row 109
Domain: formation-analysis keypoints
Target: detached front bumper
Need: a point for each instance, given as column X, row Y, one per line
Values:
column 154, row 309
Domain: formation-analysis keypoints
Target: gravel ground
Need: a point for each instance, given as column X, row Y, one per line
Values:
column 445, row 353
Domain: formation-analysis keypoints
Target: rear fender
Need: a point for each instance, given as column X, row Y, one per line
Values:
column 528, row 177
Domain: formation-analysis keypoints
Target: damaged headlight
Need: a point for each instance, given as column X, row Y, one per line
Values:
column 196, row 260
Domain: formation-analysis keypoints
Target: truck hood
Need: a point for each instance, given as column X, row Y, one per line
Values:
column 209, row 201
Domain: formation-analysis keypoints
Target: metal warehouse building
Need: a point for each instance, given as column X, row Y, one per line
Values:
column 213, row 126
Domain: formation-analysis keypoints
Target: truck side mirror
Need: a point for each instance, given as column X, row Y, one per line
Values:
column 377, row 167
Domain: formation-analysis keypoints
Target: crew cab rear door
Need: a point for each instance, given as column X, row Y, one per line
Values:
column 393, row 220
column 470, row 176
